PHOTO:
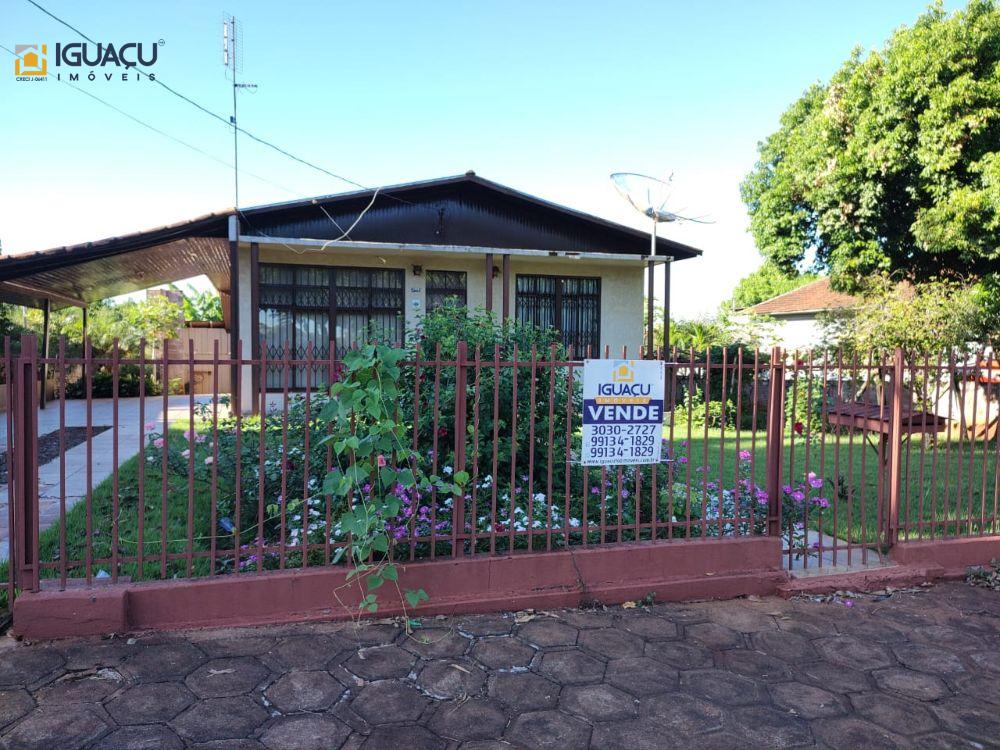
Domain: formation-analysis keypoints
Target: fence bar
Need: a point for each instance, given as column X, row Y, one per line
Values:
column 775, row 441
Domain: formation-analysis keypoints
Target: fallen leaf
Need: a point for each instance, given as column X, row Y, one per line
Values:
column 460, row 668
column 628, row 605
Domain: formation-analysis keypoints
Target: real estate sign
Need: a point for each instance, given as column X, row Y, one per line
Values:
column 622, row 411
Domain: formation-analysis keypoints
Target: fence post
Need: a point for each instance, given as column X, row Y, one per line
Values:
column 895, row 448
column 461, row 427
column 24, row 442
column 775, row 440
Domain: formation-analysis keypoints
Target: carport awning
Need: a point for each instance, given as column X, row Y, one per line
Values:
column 83, row 274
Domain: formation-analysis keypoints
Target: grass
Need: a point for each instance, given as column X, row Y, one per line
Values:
column 945, row 489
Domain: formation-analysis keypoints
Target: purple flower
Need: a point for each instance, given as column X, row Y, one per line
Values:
column 595, row 491
column 682, row 460
column 787, row 489
column 798, row 496
column 821, row 502
column 744, row 455
column 624, row 493
column 814, row 481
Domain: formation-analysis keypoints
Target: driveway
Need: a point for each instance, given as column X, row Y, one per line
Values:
column 917, row 669
column 102, row 454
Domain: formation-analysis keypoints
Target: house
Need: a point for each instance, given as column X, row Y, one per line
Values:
column 797, row 313
column 319, row 272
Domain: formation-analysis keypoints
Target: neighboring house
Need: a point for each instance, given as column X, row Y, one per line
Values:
column 796, row 313
column 323, row 270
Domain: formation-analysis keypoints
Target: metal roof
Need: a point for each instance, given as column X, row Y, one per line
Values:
column 458, row 210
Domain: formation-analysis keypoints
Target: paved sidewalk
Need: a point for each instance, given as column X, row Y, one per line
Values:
column 914, row 670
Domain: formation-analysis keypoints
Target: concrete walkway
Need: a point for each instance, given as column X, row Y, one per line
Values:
column 912, row 670
column 102, row 455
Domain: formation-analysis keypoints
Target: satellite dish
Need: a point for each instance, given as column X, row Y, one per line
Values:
column 650, row 196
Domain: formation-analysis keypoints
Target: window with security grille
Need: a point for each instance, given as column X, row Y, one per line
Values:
column 442, row 286
column 570, row 304
column 303, row 307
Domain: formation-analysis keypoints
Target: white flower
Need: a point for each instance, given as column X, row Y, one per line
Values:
column 539, row 497
column 447, row 470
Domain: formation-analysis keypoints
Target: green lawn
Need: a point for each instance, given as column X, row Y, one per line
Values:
column 843, row 462
column 944, row 489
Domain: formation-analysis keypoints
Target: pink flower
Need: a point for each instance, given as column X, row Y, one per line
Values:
column 381, row 461
column 150, row 426
column 158, row 442
column 209, row 461
column 185, row 453
column 744, row 455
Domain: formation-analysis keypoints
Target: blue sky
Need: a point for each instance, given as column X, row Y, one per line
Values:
column 548, row 97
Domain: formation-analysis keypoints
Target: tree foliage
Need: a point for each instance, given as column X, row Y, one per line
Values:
column 893, row 165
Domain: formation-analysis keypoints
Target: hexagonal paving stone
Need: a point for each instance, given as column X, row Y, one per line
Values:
column 739, row 615
column 939, row 741
column 587, row 618
column 571, row 667
column 547, row 633
column 756, row 665
column 150, row 703
column 469, row 720
column 988, row 660
column 945, row 636
column 25, row 665
column 762, row 726
column 928, row 659
column 303, row 652
column 437, row 643
column 219, row 648
column 681, row 713
column 370, row 634
column 682, row 614
column 679, row 655
column 895, row 714
column 304, row 691
column 548, row 729
column 411, row 738
column 833, row 677
column 631, row 734
column 523, row 690
column 243, row 744
column 451, row 678
column 220, row 719
column 164, row 661
column 598, row 702
column 305, row 732
column 611, row 642
column 650, row 627
column 924, row 687
column 219, row 678
column 853, row 653
column 783, row 645
column 983, row 687
column 807, row 701
column 713, row 636
column 72, row 688
column 502, row 652
column 84, row 654
column 849, row 733
column 482, row 625
column 723, row 687
column 380, row 662
column 969, row 717
column 148, row 737
column 384, row 702
column 13, row 705
column 55, row 727
column 640, row 676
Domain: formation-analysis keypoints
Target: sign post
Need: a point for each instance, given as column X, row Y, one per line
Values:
column 623, row 412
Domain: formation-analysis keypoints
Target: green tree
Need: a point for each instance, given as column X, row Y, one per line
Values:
column 766, row 282
column 893, row 166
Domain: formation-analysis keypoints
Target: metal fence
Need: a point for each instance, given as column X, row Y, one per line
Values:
column 841, row 456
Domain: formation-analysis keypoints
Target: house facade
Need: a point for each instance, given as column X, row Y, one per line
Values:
column 310, row 274
column 797, row 314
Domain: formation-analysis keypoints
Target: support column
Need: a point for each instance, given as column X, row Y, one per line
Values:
column 666, row 304
column 85, row 322
column 775, row 441
column 650, row 268
column 234, row 302
column 255, row 370
column 489, row 282
column 506, row 287
column 46, row 318
column 895, row 448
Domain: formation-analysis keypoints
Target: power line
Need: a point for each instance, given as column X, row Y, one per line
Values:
column 217, row 116
column 158, row 131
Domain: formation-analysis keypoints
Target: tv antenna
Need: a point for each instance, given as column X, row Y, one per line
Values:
column 232, row 59
column 650, row 196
